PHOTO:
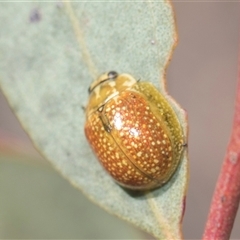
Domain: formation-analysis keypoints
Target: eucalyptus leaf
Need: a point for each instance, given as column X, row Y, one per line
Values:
column 49, row 55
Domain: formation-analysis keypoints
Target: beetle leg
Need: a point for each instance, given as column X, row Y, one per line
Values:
column 105, row 122
column 83, row 108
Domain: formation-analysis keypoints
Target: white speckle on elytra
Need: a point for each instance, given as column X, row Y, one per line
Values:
column 139, row 154
column 124, row 162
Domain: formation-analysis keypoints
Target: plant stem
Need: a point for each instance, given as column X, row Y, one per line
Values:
column 226, row 197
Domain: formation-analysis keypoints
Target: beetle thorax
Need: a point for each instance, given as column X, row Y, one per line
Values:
column 105, row 88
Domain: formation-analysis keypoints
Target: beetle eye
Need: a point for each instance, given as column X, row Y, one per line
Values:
column 112, row 74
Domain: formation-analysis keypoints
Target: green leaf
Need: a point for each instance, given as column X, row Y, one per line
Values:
column 49, row 55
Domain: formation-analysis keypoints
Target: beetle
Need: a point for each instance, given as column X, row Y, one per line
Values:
column 133, row 131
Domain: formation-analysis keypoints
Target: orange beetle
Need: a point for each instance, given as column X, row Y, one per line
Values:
column 133, row 131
